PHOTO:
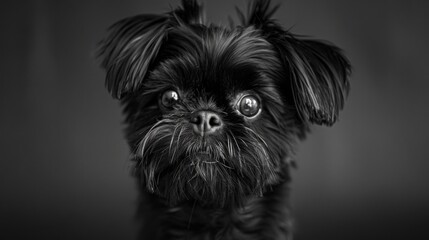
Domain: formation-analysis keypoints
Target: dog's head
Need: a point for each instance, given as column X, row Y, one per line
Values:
column 213, row 113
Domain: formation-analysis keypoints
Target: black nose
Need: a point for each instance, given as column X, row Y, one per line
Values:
column 206, row 122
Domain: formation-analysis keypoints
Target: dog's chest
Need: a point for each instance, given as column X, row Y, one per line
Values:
column 255, row 221
column 198, row 223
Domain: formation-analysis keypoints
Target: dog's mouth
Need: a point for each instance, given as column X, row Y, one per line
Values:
column 204, row 157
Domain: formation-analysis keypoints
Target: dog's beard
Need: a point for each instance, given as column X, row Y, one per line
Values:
column 220, row 170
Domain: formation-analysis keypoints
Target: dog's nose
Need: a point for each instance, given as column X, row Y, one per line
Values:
column 206, row 122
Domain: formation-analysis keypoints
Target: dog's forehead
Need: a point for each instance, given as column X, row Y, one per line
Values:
column 211, row 59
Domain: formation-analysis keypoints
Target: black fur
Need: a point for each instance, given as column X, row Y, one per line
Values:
column 232, row 184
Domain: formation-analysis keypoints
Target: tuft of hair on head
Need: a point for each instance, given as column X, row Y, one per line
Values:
column 259, row 14
column 318, row 70
column 191, row 12
column 132, row 45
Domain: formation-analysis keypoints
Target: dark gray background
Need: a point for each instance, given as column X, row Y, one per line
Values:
column 64, row 169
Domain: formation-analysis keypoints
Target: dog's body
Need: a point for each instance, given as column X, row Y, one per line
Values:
column 213, row 115
column 265, row 217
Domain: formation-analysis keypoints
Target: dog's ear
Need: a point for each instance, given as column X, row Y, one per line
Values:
column 129, row 49
column 319, row 77
column 318, row 71
column 132, row 45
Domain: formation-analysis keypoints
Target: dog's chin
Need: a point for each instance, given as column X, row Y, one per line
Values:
column 201, row 179
column 211, row 182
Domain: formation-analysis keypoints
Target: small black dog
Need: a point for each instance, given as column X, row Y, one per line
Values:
column 213, row 114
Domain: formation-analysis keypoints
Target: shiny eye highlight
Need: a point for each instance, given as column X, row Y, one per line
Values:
column 249, row 106
column 169, row 98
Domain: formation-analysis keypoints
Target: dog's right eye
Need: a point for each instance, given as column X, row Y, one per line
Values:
column 169, row 98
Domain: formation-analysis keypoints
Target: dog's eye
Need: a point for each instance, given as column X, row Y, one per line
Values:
column 169, row 98
column 249, row 106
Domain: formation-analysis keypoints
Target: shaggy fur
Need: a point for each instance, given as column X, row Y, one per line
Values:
column 213, row 114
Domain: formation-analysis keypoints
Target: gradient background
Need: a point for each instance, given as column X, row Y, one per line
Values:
column 64, row 169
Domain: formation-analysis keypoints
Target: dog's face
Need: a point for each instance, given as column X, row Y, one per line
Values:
column 213, row 113
column 209, row 123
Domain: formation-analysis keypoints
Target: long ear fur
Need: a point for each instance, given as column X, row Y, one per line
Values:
column 318, row 70
column 319, row 73
column 132, row 44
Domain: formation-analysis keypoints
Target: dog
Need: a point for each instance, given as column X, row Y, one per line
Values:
column 213, row 115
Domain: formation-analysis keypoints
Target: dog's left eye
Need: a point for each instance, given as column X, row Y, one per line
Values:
column 249, row 106
column 169, row 98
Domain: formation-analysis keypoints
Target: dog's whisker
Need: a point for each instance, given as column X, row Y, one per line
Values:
column 172, row 138
column 148, row 134
column 177, row 143
column 230, row 148
column 235, row 140
column 257, row 135
column 171, row 144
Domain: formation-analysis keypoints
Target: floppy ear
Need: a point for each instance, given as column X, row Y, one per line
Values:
column 319, row 77
column 318, row 71
column 129, row 49
column 132, row 45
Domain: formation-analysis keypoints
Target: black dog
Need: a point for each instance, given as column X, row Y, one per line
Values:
column 213, row 114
